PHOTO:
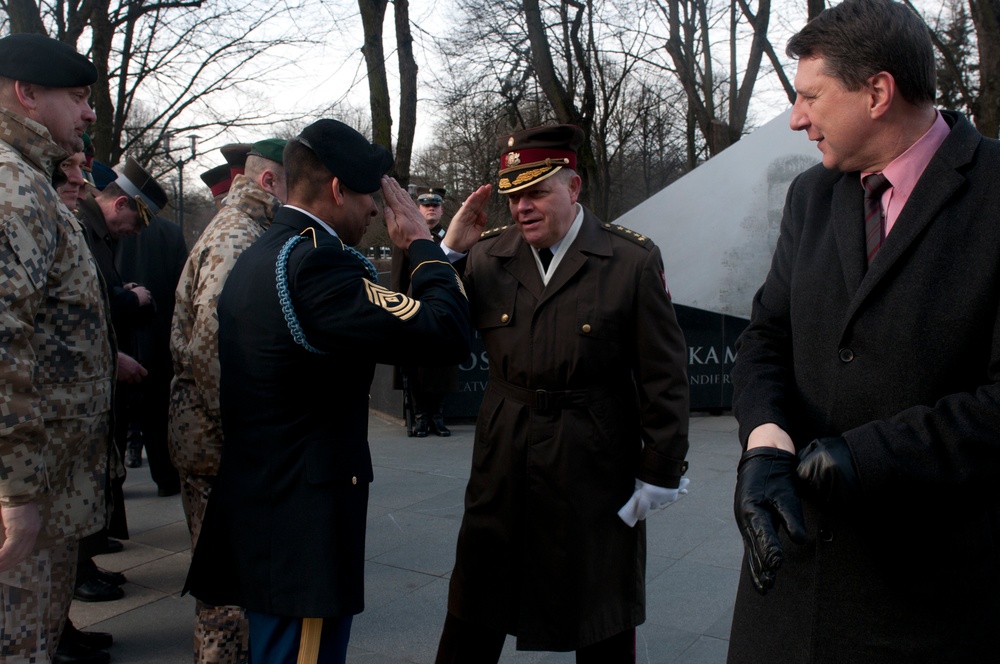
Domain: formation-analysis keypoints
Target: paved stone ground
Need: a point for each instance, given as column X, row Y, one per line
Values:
column 694, row 552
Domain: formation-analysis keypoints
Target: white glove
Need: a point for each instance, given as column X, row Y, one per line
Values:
column 649, row 498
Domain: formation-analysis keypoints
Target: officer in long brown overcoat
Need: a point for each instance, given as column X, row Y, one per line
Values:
column 583, row 427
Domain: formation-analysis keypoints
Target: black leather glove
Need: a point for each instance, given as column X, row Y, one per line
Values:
column 827, row 467
column 766, row 500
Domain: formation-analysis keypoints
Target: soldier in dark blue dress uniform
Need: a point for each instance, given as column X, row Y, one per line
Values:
column 302, row 322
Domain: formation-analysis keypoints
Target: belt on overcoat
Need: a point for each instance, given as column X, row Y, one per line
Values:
column 542, row 399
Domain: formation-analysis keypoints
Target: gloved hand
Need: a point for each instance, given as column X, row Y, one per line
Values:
column 765, row 500
column 827, row 467
column 649, row 498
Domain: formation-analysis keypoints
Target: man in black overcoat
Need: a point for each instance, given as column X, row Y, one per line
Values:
column 302, row 322
column 867, row 389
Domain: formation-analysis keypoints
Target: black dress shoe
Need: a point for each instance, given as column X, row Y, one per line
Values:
column 165, row 491
column 72, row 636
column 133, row 457
column 111, row 578
column 75, row 653
column 439, row 428
column 96, row 590
column 111, row 546
column 420, row 426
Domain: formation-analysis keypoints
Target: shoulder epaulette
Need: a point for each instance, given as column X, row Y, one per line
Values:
column 493, row 232
column 628, row 233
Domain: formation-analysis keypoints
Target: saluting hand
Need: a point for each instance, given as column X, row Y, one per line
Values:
column 402, row 218
column 470, row 220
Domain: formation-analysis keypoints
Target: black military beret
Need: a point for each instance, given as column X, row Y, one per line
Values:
column 41, row 60
column 532, row 155
column 140, row 185
column 347, row 154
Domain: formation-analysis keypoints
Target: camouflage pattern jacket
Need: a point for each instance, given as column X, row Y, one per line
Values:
column 56, row 359
column 195, row 421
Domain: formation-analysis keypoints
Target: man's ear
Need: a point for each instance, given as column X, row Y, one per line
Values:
column 882, row 91
column 575, row 184
column 27, row 94
column 121, row 203
column 337, row 190
column 267, row 181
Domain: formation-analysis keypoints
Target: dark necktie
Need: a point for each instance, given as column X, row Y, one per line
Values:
column 545, row 255
column 874, row 185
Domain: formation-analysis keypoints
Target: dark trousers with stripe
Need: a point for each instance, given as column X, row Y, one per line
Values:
column 463, row 642
column 275, row 639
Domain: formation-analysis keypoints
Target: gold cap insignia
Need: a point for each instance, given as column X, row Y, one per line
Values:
column 513, row 159
column 510, row 142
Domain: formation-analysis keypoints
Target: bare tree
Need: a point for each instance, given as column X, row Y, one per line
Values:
column 23, row 16
column 372, row 19
column 719, row 108
column 180, row 59
column 966, row 35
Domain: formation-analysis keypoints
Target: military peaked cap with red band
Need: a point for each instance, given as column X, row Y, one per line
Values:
column 236, row 157
column 532, row 155
column 218, row 179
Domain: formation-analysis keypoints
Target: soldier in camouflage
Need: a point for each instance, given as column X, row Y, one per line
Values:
column 56, row 360
column 195, row 421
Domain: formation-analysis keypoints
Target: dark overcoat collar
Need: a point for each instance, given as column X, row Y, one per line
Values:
column 519, row 261
column 943, row 176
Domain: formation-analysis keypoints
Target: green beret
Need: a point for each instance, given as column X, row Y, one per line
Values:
column 269, row 148
column 34, row 58
column 347, row 154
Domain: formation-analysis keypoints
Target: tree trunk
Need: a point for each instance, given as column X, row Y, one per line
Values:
column 25, row 16
column 102, row 131
column 562, row 100
column 986, row 109
column 407, row 92
column 372, row 17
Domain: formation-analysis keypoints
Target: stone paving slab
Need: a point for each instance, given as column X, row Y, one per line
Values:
column 694, row 553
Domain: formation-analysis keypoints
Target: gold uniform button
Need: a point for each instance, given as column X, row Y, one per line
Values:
column 586, row 328
column 354, row 480
column 504, row 318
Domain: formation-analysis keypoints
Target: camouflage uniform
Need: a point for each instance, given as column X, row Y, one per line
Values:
column 56, row 371
column 195, row 422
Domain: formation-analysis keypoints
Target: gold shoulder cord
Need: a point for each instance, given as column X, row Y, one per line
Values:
column 458, row 279
column 312, row 231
